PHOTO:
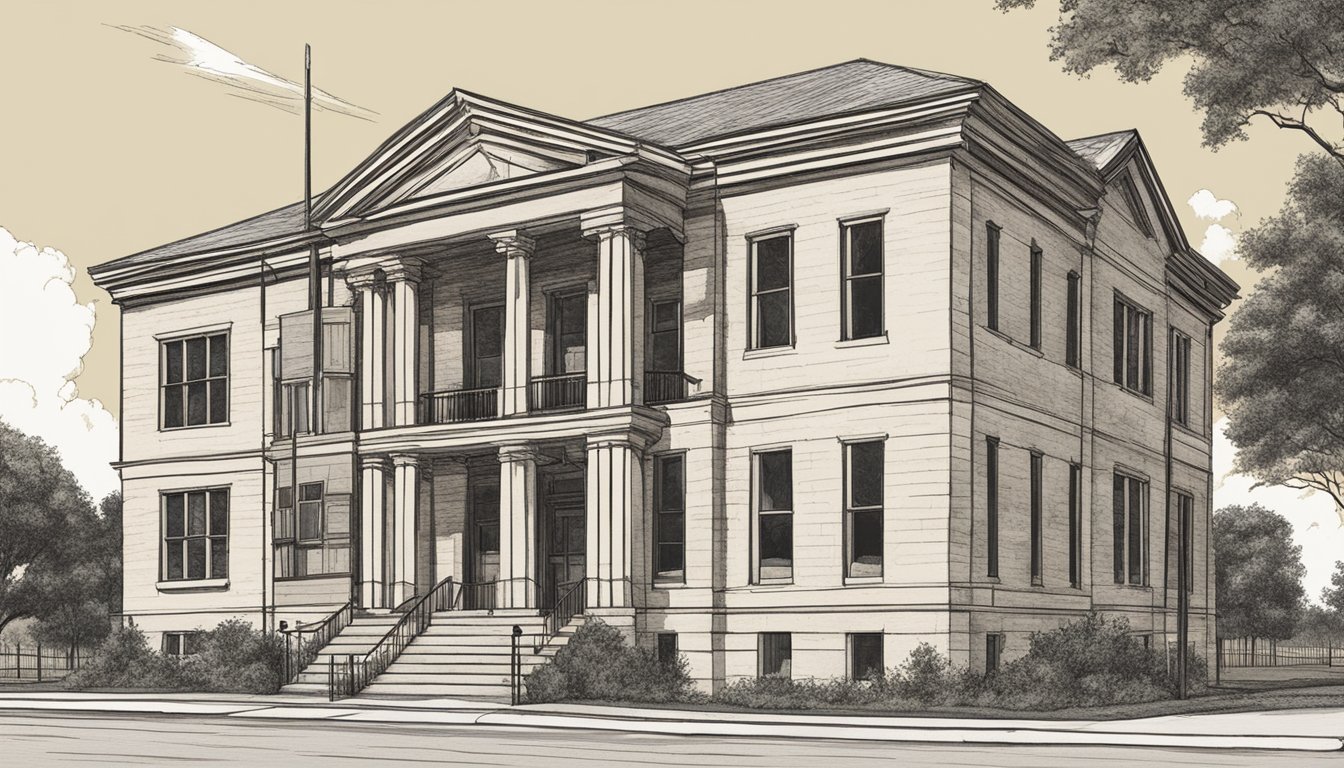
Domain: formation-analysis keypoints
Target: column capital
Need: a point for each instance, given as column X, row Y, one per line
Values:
column 518, row 452
column 618, row 220
column 406, row 460
column 363, row 279
column 403, row 268
column 373, row 462
column 512, row 242
column 623, row 438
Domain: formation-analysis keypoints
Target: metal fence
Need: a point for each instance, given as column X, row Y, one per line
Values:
column 36, row 663
column 1256, row 652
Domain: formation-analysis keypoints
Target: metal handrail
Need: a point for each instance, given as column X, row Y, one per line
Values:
column 455, row 405
column 568, row 606
column 557, row 391
column 476, row 596
column 323, row 632
column 361, row 671
column 666, row 386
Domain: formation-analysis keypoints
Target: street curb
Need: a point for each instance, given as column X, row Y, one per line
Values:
column 796, row 728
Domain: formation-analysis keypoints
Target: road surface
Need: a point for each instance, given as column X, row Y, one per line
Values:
column 40, row 739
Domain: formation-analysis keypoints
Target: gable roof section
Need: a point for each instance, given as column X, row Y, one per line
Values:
column 853, row 86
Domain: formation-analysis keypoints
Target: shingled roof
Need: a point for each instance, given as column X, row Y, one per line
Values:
column 1102, row 149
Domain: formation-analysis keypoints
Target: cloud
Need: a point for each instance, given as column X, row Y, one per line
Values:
column 1219, row 245
column 203, row 58
column 46, row 334
column 1208, row 206
column 1316, row 524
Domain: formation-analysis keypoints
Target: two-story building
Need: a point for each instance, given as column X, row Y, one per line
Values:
column 787, row 378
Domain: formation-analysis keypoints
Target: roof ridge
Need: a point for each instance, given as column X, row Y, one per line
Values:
column 1134, row 131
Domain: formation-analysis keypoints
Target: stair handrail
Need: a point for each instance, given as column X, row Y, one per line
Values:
column 569, row 605
column 296, row 659
column 360, row 671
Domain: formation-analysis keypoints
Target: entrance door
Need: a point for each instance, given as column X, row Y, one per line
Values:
column 564, row 560
column 484, row 542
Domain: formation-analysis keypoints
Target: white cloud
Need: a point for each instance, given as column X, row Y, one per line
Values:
column 204, row 59
column 1219, row 245
column 1208, row 206
column 1316, row 524
column 46, row 334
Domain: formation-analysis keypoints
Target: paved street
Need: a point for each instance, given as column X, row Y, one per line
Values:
column 49, row 739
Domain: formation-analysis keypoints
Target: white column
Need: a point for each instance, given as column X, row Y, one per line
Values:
column 615, row 503
column 372, row 581
column 406, row 503
column 517, row 248
column 616, row 327
column 518, row 526
column 372, row 348
column 403, row 277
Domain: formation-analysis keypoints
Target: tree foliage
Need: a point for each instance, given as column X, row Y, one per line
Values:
column 1333, row 595
column 1284, row 350
column 1276, row 60
column 1258, row 573
column 73, row 596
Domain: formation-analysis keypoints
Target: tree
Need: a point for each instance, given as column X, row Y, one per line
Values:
column 41, row 505
column 1275, row 60
column 72, row 597
column 1258, row 573
column 1284, row 349
column 1333, row 595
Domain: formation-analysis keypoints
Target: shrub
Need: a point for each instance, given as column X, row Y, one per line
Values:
column 597, row 665
column 125, row 660
column 233, row 658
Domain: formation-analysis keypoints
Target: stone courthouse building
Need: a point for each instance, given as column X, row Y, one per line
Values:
column 787, row 378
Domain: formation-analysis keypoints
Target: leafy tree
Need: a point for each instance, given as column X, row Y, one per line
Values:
column 41, row 506
column 1275, row 60
column 1333, row 595
column 1284, row 350
column 74, row 595
column 1258, row 573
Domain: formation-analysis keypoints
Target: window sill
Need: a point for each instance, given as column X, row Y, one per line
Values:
column 194, row 426
column 1014, row 342
column 854, row 581
column 192, row 585
column 868, row 341
column 752, row 354
column 1133, row 392
column 784, row 582
column 669, row 583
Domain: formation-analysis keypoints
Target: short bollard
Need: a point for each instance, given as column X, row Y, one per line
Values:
column 515, row 668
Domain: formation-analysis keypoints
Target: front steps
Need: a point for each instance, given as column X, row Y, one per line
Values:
column 462, row 654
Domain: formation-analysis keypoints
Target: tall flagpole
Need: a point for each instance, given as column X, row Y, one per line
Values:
column 314, row 261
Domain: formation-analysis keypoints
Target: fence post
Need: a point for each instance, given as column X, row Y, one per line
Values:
column 39, row 662
column 1217, row 660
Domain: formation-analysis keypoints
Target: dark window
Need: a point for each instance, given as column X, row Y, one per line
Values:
column 864, row 479
column 487, row 347
column 774, row 652
column 1035, row 298
column 861, row 266
column 665, row 337
column 1037, row 490
column 1180, row 378
column 774, row 505
column 569, row 333
column 771, row 291
column 194, row 381
column 314, row 539
column 667, row 647
column 196, row 535
column 1133, row 347
column 181, row 643
column 992, row 506
column 993, row 652
column 1129, row 505
column 669, row 504
column 865, row 656
column 1075, row 525
column 992, row 274
column 1074, row 332
column 295, row 410
column 1185, row 508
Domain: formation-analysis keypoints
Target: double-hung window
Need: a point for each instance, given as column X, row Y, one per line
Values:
column 181, row 643
column 311, row 533
column 774, row 654
column 772, row 291
column 865, row 656
column 194, row 381
column 1180, row 378
column 1037, row 513
column 1034, row 300
column 864, row 480
column 669, row 504
column 195, row 535
column 774, row 511
column 1074, row 332
column 861, row 268
column 1130, row 506
column 1133, row 343
column 992, row 275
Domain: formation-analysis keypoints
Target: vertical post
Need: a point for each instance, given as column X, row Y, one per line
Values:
column 516, row 363
column 515, row 667
column 39, row 662
column 1182, row 597
column 1218, row 660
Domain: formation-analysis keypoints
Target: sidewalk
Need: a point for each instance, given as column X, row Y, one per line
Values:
column 1304, row 730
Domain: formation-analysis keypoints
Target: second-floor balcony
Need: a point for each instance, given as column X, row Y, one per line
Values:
column 562, row 392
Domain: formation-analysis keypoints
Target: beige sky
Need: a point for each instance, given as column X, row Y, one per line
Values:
column 107, row 151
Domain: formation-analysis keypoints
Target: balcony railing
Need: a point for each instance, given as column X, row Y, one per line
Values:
column 450, row 406
column 553, row 393
column 665, row 386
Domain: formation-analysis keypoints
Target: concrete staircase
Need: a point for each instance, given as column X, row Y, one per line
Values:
column 462, row 654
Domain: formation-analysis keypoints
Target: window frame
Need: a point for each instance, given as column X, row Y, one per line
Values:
column 847, row 278
column 182, row 339
column 1185, row 544
column 653, row 333
column 471, row 359
column 759, row 515
column 1179, row 376
column 850, row 509
column 1129, row 569
column 991, row 507
column 852, row 661
column 993, row 237
column 784, row 651
column 1073, row 349
column 1037, row 514
column 181, row 637
column 1034, row 298
column 1075, row 525
column 1129, row 319
column 994, row 643
column 660, row 650
column 554, row 313
column 753, row 295
column 183, row 540
column 661, row 576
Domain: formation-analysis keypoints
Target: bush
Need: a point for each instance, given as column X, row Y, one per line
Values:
column 597, row 665
column 233, row 658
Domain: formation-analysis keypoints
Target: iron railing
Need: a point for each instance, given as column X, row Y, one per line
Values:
column 666, row 386
column 299, row 652
column 551, row 393
column 456, row 405
column 570, row 604
column 478, row 596
column 356, row 672
column 41, row 664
